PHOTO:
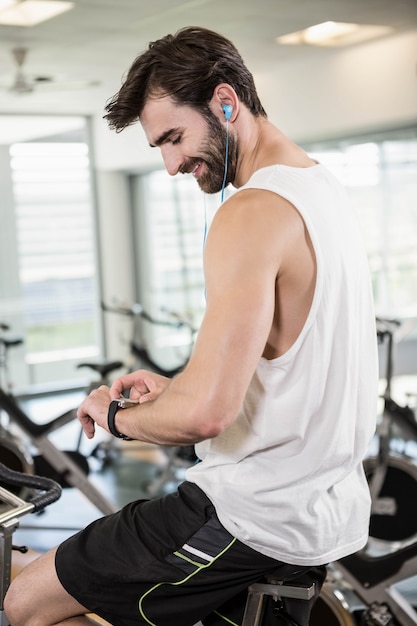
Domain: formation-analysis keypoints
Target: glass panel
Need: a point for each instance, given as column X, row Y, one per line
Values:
column 380, row 174
column 53, row 216
column 172, row 215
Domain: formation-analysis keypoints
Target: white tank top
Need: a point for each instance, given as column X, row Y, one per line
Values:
column 286, row 478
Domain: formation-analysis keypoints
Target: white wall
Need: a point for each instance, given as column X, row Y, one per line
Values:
column 356, row 89
column 115, row 258
column 368, row 87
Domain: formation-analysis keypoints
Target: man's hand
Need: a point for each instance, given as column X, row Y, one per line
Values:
column 94, row 409
column 144, row 386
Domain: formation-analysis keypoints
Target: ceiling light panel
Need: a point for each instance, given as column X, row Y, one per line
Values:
column 31, row 12
column 334, row 34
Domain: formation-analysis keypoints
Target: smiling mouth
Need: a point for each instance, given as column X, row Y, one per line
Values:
column 195, row 171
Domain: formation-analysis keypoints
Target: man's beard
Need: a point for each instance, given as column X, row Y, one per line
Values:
column 213, row 154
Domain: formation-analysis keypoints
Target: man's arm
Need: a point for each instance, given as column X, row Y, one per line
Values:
column 243, row 254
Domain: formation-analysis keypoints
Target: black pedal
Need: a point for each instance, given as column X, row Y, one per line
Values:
column 377, row 615
column 22, row 549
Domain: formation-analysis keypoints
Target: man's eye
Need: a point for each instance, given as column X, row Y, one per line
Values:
column 176, row 140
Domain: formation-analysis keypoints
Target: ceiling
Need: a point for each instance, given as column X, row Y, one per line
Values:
column 98, row 40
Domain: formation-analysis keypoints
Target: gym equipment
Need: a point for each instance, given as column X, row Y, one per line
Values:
column 392, row 474
column 64, row 465
column 47, row 492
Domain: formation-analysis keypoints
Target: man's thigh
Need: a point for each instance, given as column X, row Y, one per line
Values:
column 36, row 591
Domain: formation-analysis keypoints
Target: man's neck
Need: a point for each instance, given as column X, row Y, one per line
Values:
column 261, row 145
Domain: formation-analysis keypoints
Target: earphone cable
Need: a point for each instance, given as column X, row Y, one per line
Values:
column 226, row 159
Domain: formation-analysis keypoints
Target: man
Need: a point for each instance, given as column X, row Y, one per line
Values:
column 279, row 394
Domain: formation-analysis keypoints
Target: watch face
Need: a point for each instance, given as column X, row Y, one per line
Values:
column 125, row 403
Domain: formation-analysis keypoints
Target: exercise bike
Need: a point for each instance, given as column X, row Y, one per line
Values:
column 139, row 353
column 12, row 508
column 26, row 446
column 66, row 469
column 376, row 581
column 391, row 471
column 12, row 451
column 41, row 492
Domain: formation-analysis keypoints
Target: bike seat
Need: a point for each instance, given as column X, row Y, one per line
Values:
column 10, row 342
column 276, row 588
column 103, row 368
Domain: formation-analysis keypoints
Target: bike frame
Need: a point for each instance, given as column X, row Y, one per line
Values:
column 373, row 580
column 60, row 461
column 48, row 492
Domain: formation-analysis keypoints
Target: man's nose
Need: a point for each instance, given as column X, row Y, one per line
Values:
column 172, row 159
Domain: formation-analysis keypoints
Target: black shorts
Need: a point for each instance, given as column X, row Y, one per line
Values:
column 164, row 562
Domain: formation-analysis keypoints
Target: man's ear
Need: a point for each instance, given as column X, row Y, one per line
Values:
column 225, row 103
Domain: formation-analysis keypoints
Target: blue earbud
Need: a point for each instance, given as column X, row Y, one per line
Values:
column 227, row 110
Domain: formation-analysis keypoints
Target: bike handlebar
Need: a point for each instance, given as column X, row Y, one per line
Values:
column 51, row 492
column 386, row 328
column 137, row 310
column 9, row 404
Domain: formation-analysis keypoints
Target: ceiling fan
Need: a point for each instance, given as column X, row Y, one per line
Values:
column 24, row 84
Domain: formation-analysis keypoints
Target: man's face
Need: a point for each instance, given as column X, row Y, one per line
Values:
column 190, row 143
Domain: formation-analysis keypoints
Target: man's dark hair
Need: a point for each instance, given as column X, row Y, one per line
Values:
column 187, row 67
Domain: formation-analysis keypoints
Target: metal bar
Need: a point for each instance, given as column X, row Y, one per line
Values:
column 283, row 591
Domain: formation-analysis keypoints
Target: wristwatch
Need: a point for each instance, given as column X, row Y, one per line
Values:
column 114, row 406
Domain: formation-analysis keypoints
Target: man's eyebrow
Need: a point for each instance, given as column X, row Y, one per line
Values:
column 164, row 137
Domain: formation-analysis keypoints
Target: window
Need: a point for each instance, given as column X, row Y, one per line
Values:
column 380, row 173
column 172, row 215
column 54, row 255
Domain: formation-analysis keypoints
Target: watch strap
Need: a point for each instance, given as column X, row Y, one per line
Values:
column 115, row 406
